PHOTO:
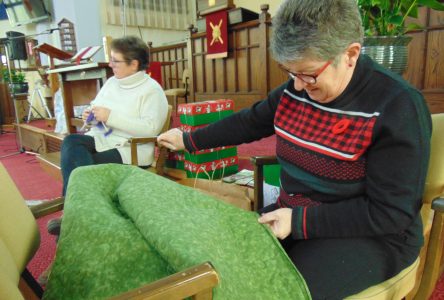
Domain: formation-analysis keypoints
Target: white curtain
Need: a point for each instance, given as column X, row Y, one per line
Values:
column 163, row 14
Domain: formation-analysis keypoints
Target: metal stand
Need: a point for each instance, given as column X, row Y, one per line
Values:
column 17, row 119
column 42, row 102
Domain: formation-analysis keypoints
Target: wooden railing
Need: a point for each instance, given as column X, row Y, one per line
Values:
column 249, row 73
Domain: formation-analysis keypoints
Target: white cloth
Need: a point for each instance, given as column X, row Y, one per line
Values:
column 138, row 109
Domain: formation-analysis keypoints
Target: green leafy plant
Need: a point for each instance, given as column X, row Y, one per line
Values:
column 388, row 17
column 14, row 77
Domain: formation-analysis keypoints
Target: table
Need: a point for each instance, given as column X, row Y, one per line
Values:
column 80, row 85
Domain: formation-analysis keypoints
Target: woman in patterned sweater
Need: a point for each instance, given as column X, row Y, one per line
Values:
column 353, row 144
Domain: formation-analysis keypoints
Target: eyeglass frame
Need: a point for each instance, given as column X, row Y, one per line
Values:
column 113, row 61
column 310, row 79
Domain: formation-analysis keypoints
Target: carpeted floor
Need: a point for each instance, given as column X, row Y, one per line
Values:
column 35, row 184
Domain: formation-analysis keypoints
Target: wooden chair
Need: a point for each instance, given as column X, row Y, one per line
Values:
column 432, row 266
column 161, row 156
column 50, row 162
column 419, row 279
column 180, row 92
column 20, row 238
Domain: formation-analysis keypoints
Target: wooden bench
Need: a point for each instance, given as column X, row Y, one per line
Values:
column 50, row 163
column 50, row 159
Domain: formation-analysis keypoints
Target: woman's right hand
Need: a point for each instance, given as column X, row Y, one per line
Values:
column 172, row 139
column 85, row 114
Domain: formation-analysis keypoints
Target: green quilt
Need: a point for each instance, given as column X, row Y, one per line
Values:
column 124, row 227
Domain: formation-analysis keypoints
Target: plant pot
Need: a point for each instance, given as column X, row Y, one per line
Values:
column 389, row 51
column 19, row 88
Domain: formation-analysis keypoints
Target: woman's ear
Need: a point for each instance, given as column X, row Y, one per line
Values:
column 134, row 65
column 352, row 53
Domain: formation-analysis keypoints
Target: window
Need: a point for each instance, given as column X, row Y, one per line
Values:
column 163, row 14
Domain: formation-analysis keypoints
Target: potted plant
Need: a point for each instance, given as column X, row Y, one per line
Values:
column 16, row 80
column 384, row 23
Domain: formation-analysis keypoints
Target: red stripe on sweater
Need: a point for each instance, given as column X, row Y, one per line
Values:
column 192, row 143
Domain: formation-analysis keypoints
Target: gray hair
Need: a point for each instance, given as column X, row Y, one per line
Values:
column 316, row 29
column 132, row 48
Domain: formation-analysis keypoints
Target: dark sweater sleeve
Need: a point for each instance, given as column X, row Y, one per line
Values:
column 397, row 165
column 245, row 126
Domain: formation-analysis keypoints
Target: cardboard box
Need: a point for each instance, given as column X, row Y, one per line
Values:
column 204, row 118
column 205, row 107
column 214, row 169
column 200, row 113
column 189, row 128
column 209, row 155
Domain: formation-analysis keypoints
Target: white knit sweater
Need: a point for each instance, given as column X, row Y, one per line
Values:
column 138, row 109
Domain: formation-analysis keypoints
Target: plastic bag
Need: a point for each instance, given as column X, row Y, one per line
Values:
column 59, row 113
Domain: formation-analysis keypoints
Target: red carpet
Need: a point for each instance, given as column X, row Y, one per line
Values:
column 35, row 184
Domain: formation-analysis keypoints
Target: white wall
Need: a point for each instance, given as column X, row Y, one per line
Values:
column 157, row 36
column 255, row 5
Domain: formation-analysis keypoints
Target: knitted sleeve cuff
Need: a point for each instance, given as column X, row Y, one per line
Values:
column 189, row 143
column 298, row 223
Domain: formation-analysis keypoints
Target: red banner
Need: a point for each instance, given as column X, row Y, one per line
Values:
column 217, row 34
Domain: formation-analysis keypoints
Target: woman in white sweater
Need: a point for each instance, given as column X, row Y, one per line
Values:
column 130, row 104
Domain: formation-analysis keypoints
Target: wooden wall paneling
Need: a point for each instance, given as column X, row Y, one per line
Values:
column 208, row 71
column 244, row 71
column 436, row 19
column 234, row 56
column 414, row 72
column 435, row 100
column 220, row 75
column 241, row 59
column 433, row 88
column 434, row 75
column 232, row 79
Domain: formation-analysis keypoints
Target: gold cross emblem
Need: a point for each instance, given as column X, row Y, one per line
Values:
column 217, row 35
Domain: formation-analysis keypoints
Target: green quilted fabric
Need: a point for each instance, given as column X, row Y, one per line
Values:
column 124, row 227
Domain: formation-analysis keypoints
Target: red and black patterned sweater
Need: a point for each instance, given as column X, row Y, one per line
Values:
column 354, row 167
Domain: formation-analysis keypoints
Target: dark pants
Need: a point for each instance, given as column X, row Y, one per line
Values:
column 337, row 268
column 79, row 150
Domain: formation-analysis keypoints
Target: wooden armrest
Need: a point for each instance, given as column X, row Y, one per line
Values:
column 438, row 204
column 259, row 162
column 197, row 281
column 133, row 143
column 142, row 140
column 48, row 207
column 264, row 160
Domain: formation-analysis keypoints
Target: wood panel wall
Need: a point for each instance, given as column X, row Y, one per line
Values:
column 249, row 72
column 426, row 59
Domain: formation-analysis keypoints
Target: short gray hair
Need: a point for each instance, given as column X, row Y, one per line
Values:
column 132, row 48
column 316, row 29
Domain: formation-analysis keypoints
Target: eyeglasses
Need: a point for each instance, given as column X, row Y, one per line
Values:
column 115, row 61
column 310, row 79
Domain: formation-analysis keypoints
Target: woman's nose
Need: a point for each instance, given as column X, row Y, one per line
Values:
column 299, row 85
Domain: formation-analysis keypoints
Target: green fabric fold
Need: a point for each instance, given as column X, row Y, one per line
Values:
column 124, row 227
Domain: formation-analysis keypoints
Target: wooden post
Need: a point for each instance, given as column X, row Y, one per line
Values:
column 191, row 65
column 264, row 19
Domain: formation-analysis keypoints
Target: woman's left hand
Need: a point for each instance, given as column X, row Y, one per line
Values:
column 101, row 113
column 279, row 221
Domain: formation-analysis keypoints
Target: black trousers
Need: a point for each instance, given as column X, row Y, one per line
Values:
column 80, row 150
column 337, row 268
